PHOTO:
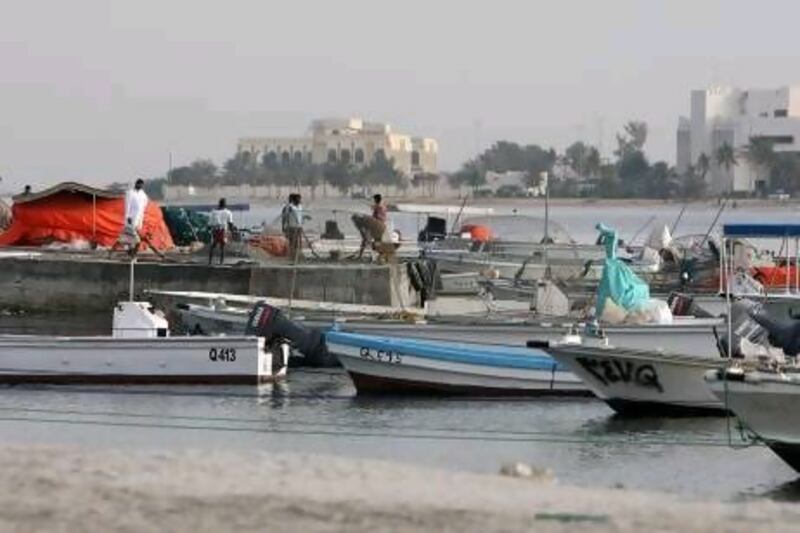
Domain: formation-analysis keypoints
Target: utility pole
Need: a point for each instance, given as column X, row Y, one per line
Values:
column 169, row 173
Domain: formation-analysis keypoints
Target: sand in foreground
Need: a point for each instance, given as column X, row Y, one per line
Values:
column 73, row 490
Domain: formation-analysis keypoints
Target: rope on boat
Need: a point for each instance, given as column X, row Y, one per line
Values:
column 250, row 425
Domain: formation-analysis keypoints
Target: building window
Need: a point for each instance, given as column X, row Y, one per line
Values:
column 298, row 157
column 415, row 158
column 271, row 159
column 332, row 156
column 246, row 156
column 309, row 157
column 380, row 155
column 345, row 156
column 780, row 113
column 285, row 158
column 359, row 156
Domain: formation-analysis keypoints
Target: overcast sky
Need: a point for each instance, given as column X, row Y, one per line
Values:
column 103, row 90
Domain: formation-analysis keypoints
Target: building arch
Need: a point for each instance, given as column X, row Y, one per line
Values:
column 344, row 155
column 286, row 158
column 332, row 157
column 358, row 156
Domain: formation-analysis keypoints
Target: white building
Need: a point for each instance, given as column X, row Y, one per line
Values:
column 348, row 140
column 721, row 115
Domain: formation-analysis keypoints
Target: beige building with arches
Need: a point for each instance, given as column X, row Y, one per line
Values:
column 350, row 140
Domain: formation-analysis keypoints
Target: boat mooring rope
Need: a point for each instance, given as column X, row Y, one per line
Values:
column 332, row 429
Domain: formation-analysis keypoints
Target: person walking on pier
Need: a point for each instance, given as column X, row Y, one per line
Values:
column 135, row 204
column 221, row 222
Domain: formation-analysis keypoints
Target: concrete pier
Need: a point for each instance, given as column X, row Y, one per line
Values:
column 63, row 282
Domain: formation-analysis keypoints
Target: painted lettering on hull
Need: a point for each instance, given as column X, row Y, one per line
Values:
column 612, row 371
column 225, row 355
column 382, row 356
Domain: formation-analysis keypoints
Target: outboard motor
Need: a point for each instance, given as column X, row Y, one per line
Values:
column 745, row 327
column 269, row 322
column 784, row 334
column 435, row 229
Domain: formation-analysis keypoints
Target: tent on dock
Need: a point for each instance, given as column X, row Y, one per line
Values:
column 72, row 213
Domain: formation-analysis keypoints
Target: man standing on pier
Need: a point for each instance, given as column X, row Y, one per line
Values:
column 292, row 222
column 221, row 222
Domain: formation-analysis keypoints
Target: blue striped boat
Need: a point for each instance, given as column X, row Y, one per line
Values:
column 393, row 365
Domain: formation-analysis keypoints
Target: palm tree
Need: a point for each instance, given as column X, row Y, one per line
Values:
column 725, row 157
column 593, row 162
column 761, row 155
column 703, row 164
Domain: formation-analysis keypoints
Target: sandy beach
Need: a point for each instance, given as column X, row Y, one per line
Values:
column 68, row 489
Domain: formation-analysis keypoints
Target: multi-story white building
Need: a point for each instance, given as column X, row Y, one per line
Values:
column 721, row 115
column 348, row 140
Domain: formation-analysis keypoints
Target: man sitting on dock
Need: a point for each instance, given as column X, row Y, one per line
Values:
column 221, row 222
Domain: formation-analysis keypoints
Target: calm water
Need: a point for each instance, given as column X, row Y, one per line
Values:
column 317, row 411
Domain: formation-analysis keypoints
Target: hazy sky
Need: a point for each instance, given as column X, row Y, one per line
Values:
column 104, row 90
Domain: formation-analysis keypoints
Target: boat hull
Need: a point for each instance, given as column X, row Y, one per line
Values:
column 183, row 360
column 380, row 365
column 766, row 404
column 698, row 340
column 641, row 383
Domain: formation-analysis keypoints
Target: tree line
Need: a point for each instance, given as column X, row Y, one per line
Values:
column 244, row 169
column 579, row 171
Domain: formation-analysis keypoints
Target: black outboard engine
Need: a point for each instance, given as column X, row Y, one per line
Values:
column 744, row 325
column 434, row 230
column 784, row 334
column 269, row 322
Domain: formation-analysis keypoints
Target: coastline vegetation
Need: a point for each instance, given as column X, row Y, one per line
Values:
column 578, row 172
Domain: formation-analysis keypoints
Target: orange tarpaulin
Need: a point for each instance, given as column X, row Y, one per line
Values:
column 64, row 214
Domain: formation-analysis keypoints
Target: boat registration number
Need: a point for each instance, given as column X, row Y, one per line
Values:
column 612, row 371
column 226, row 355
column 382, row 356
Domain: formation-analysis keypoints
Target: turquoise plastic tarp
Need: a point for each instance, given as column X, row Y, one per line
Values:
column 619, row 282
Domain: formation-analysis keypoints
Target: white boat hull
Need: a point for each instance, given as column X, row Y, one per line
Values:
column 697, row 339
column 767, row 405
column 638, row 382
column 138, row 360
column 687, row 336
column 415, row 374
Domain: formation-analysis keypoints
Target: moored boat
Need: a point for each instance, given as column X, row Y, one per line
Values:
column 140, row 350
column 392, row 365
column 640, row 382
column 765, row 401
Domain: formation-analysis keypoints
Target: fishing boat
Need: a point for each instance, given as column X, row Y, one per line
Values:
column 762, row 391
column 639, row 382
column 665, row 378
column 140, row 350
column 204, row 313
column 394, row 365
column 765, row 401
